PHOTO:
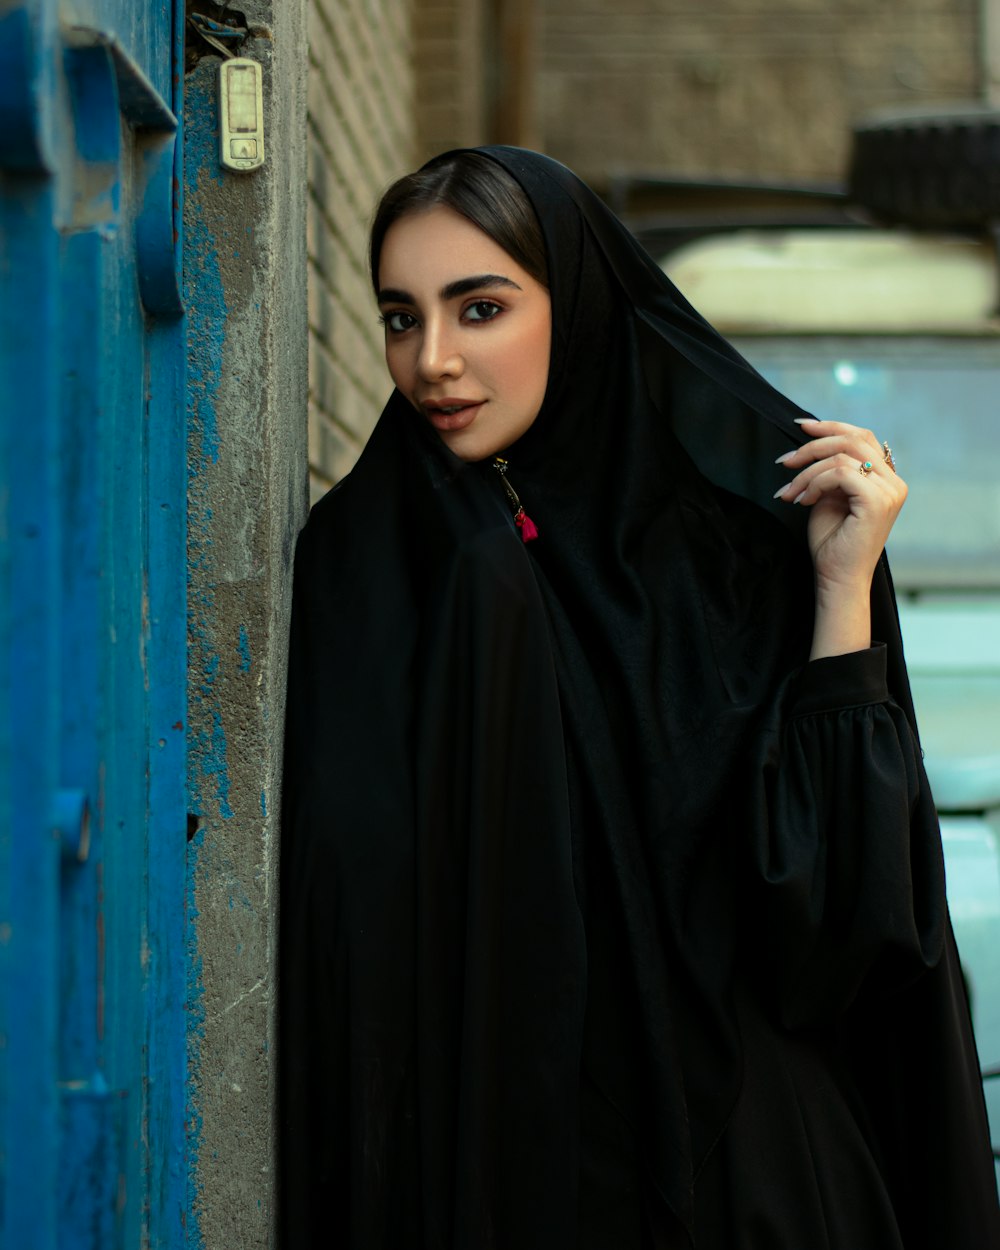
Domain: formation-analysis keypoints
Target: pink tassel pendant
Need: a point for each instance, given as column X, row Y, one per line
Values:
column 524, row 523
column 529, row 530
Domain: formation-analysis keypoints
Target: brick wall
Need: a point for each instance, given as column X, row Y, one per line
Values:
column 391, row 82
column 451, row 88
column 754, row 87
column 361, row 135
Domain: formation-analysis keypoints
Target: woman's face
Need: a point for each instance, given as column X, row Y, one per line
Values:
column 467, row 331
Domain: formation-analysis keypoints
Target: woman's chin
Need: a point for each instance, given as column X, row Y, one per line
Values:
column 482, row 440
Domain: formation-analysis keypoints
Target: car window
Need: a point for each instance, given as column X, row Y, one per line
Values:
column 935, row 400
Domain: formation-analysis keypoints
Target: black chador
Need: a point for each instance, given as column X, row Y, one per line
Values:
column 608, row 920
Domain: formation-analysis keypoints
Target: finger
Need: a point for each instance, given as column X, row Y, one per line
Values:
column 848, row 477
column 866, row 494
column 852, row 444
column 817, row 428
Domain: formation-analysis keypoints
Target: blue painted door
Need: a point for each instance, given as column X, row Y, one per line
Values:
column 92, row 607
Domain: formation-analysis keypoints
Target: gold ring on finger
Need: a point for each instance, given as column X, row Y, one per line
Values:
column 866, row 468
column 887, row 456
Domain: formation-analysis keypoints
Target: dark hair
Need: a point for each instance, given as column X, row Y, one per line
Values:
column 480, row 190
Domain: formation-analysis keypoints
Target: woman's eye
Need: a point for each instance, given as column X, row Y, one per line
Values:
column 482, row 310
column 399, row 321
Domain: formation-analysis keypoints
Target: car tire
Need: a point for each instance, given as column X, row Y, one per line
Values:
column 929, row 170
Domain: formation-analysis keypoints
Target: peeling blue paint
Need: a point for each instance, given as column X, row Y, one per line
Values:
column 244, row 649
column 205, row 296
column 208, row 748
column 195, row 1002
column 195, row 1006
column 207, row 316
column 92, row 490
column 216, row 764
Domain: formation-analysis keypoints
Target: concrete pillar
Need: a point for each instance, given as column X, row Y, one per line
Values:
column 991, row 51
column 515, row 69
column 245, row 291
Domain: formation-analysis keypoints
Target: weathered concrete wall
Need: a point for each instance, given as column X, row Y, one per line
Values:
column 990, row 46
column 245, row 286
column 727, row 86
column 361, row 136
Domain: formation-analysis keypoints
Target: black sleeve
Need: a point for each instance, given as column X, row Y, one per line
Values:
column 848, row 851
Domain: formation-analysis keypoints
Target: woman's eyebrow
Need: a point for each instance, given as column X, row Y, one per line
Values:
column 393, row 295
column 461, row 286
column 479, row 282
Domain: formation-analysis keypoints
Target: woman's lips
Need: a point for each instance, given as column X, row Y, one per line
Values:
column 458, row 416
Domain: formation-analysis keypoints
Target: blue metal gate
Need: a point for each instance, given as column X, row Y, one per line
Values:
column 92, row 622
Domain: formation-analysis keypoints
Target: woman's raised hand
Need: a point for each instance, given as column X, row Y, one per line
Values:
column 847, row 479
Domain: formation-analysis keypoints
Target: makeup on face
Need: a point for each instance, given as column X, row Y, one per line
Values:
column 467, row 331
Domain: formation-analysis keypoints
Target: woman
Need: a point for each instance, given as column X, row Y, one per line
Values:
column 613, row 910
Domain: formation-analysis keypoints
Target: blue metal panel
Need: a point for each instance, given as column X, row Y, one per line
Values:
column 30, row 918
column 92, row 631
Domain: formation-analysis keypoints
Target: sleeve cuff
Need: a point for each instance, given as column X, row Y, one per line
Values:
column 840, row 681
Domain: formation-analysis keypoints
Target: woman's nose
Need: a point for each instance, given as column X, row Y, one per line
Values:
column 439, row 356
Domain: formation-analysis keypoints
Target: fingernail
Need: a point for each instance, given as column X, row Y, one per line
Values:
column 787, row 455
column 806, row 420
column 780, row 491
column 799, row 497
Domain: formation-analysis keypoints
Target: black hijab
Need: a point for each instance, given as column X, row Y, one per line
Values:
column 527, row 841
